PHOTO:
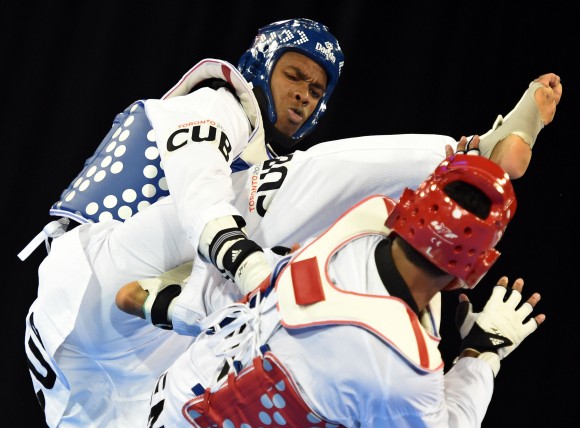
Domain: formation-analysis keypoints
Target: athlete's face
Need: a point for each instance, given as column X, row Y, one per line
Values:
column 297, row 85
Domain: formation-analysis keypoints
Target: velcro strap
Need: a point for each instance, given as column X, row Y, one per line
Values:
column 160, row 306
column 280, row 250
column 306, row 281
column 239, row 221
column 484, row 341
column 237, row 253
column 220, row 239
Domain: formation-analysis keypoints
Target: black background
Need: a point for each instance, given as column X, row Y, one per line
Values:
column 68, row 68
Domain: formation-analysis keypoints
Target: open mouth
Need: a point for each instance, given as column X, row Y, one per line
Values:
column 295, row 116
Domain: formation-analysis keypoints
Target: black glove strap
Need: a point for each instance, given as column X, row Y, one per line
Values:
column 237, row 253
column 161, row 304
column 483, row 341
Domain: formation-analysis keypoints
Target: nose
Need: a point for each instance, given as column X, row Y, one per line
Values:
column 302, row 94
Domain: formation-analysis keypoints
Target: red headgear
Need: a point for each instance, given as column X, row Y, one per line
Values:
column 452, row 238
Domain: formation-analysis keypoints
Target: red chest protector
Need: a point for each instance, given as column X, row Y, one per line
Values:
column 262, row 395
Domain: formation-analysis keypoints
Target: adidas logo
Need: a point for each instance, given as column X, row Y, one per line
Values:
column 235, row 255
column 496, row 342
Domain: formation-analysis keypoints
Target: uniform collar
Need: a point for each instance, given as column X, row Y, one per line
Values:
column 390, row 276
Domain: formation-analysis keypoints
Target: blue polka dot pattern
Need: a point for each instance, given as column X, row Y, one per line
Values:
column 123, row 177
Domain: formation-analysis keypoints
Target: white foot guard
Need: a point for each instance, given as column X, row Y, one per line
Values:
column 524, row 121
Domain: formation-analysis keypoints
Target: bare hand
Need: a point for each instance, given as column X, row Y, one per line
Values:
column 461, row 145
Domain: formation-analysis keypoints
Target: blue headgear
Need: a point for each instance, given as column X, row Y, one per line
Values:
column 301, row 35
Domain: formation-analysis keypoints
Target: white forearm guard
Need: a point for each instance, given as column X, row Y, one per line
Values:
column 225, row 243
column 162, row 290
column 178, row 275
column 252, row 271
column 218, row 236
column 524, row 121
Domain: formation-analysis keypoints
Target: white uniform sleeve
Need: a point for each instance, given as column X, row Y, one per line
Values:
column 468, row 392
column 198, row 136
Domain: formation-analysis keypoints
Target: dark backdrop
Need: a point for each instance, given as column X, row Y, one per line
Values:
column 67, row 69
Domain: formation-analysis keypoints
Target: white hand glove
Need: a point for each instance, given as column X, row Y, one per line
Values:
column 499, row 328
